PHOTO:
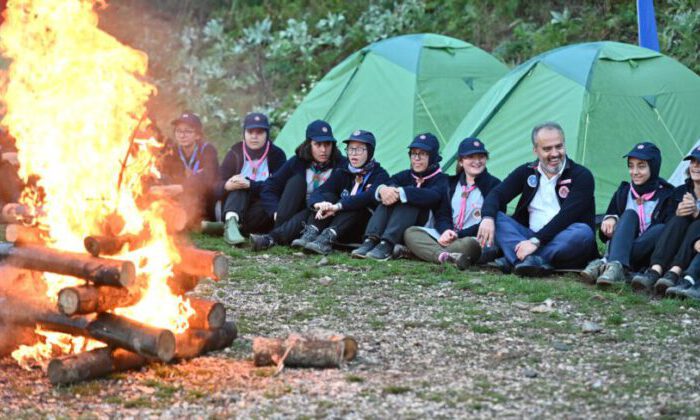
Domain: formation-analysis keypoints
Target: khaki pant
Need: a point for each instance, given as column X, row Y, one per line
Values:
column 427, row 248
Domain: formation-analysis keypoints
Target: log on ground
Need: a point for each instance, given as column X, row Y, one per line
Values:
column 122, row 332
column 92, row 364
column 202, row 263
column 303, row 351
column 195, row 342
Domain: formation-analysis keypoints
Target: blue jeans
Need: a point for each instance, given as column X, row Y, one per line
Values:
column 630, row 248
column 569, row 248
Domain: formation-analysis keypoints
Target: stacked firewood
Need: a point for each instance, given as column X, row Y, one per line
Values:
column 84, row 310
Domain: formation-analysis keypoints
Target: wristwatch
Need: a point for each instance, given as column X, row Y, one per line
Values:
column 534, row 241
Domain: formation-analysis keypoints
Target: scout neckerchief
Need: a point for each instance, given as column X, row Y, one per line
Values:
column 421, row 179
column 640, row 199
column 463, row 203
column 317, row 170
column 191, row 166
column 361, row 175
column 255, row 164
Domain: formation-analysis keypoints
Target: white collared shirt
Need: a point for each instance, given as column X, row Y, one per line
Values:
column 545, row 204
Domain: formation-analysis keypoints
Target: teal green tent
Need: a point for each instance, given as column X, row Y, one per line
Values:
column 397, row 88
column 606, row 95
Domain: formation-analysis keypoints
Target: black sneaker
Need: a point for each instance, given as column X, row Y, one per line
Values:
column 401, row 251
column 643, row 282
column 382, row 251
column 462, row 261
column 261, row 242
column 366, row 246
column 502, row 264
column 693, row 292
column 533, row 266
column 322, row 243
column 669, row 279
column 309, row 234
column 679, row 291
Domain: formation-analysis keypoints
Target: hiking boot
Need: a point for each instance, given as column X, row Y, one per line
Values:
column 232, row 235
column 693, row 292
column 678, row 291
column 471, row 248
column 669, row 279
column 261, row 242
column 401, row 251
column 382, row 251
column 459, row 259
column 643, row 282
column 309, row 234
column 614, row 273
column 488, row 254
column 593, row 270
column 502, row 264
column 366, row 246
column 322, row 243
column 533, row 266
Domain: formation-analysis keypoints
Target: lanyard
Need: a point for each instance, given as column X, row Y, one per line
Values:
column 463, row 206
column 640, row 199
column 421, row 179
column 256, row 164
column 193, row 164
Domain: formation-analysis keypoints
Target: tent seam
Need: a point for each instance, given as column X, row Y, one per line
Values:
column 430, row 115
column 347, row 84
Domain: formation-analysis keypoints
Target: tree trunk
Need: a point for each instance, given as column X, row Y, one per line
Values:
column 202, row 263
column 208, row 315
column 131, row 335
column 195, row 342
column 100, row 271
column 92, row 364
column 90, row 299
column 304, row 352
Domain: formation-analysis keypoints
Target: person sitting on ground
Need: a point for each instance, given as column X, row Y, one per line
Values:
column 689, row 285
column 189, row 170
column 284, row 194
column 553, row 223
column 343, row 204
column 242, row 174
column 635, row 218
column 678, row 242
column 409, row 198
column 10, row 183
column 457, row 221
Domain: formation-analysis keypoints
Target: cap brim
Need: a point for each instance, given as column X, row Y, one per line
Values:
column 691, row 157
column 636, row 155
column 474, row 152
column 420, row 146
column 265, row 127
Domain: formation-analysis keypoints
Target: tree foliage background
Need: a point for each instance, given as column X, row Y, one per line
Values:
column 228, row 57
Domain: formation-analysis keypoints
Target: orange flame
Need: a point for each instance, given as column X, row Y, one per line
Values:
column 73, row 96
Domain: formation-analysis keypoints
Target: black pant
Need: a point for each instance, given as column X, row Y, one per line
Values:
column 389, row 223
column 675, row 246
column 292, row 211
column 237, row 201
column 348, row 225
column 626, row 247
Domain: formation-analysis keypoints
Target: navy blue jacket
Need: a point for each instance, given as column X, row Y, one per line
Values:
column 233, row 164
column 575, row 189
column 428, row 196
column 173, row 171
column 341, row 183
column 485, row 182
column 273, row 187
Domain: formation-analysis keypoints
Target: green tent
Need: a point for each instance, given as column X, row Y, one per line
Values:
column 397, row 88
column 606, row 95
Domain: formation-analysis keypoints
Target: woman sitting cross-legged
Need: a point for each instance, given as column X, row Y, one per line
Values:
column 284, row 194
column 635, row 218
column 409, row 198
column 343, row 204
column 457, row 221
column 679, row 241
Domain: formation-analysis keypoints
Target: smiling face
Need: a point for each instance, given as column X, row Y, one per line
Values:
column 473, row 165
column 357, row 153
column 419, row 160
column 640, row 172
column 186, row 135
column 321, row 151
column 694, row 170
column 255, row 138
column 549, row 149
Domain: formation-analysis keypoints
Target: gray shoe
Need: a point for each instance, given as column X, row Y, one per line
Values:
column 323, row 243
column 679, row 290
column 614, row 273
column 401, row 251
column 462, row 261
column 593, row 270
column 471, row 248
column 232, row 235
column 669, row 280
column 309, row 234
column 692, row 292
column 643, row 282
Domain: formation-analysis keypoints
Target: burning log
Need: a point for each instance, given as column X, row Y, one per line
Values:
column 92, row 364
column 195, row 342
column 298, row 351
column 90, row 299
column 12, row 313
column 109, row 245
column 23, row 234
column 208, row 315
column 100, row 271
column 182, row 283
column 202, row 263
column 131, row 335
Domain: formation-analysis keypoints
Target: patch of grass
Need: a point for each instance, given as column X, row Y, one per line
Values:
column 354, row 378
column 396, row 389
column 615, row 319
column 277, row 391
column 264, row 372
column 85, row 389
column 193, row 395
column 483, row 329
column 140, row 402
column 113, row 399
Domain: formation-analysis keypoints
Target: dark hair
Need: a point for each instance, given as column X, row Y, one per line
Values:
column 550, row 125
column 303, row 152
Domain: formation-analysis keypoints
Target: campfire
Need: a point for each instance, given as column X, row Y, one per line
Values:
column 96, row 271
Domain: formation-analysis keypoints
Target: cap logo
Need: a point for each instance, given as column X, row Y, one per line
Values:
column 257, row 118
column 477, row 144
column 422, row 137
column 324, row 129
column 356, row 133
column 640, row 147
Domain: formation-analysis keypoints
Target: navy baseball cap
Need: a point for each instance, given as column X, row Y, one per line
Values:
column 362, row 136
column 471, row 146
column 256, row 120
column 425, row 141
column 644, row 151
column 694, row 154
column 320, row 131
column 190, row 119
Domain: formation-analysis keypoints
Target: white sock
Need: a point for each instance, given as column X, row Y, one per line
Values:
column 230, row 215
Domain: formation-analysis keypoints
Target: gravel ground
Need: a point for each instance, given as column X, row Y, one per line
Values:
column 433, row 342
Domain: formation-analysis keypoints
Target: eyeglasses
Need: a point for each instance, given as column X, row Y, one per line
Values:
column 184, row 132
column 355, row 150
column 418, row 155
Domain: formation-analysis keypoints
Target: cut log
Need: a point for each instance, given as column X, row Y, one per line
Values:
column 92, row 364
column 303, row 352
column 174, row 215
column 195, row 342
column 90, row 299
column 100, row 271
column 181, row 283
column 24, row 235
column 209, row 315
column 110, row 245
column 202, row 263
column 122, row 332
column 16, row 313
